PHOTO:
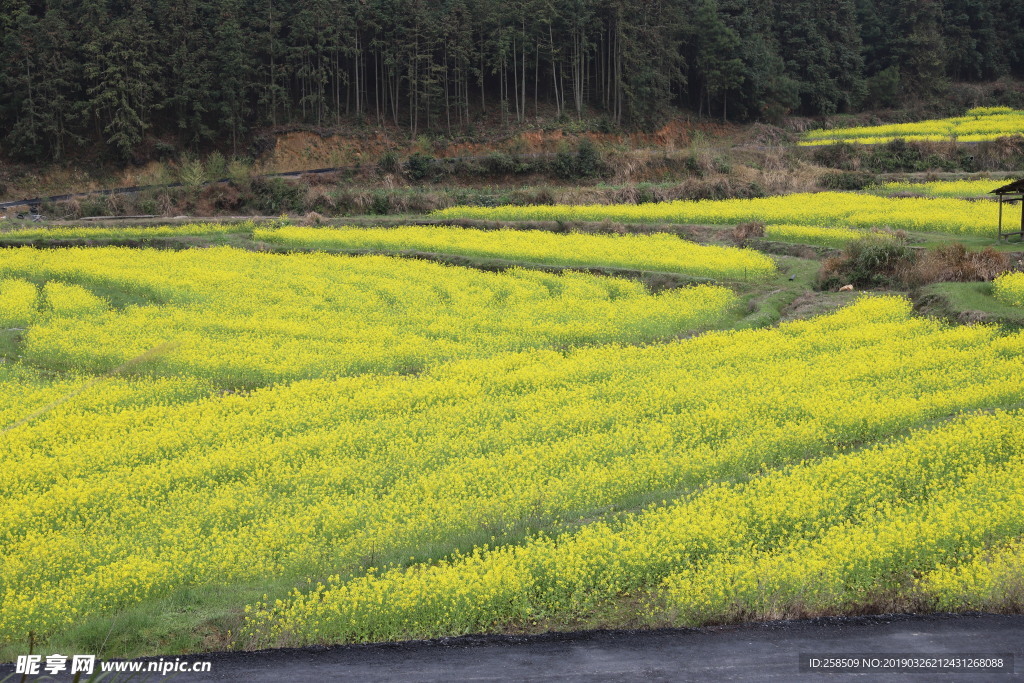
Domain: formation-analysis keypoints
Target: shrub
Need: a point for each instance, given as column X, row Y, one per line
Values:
column 896, row 155
column 873, row 261
column 71, row 208
column 588, row 160
column 744, row 231
column 693, row 166
column 92, row 206
column 239, row 171
column 388, row 162
column 148, row 206
column 585, row 163
column 420, row 166
column 954, row 263
column 883, row 260
column 220, row 197
column 191, row 174
column 380, row 204
column 841, row 155
column 319, row 200
column 216, row 167
column 275, row 195
column 500, row 163
column 846, row 180
column 563, row 165
column 466, row 167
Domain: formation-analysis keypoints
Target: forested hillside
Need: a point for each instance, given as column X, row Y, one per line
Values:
column 112, row 74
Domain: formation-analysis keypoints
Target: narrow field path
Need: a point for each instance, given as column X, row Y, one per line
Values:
column 770, row 651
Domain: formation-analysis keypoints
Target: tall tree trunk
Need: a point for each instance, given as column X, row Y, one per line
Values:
column 515, row 79
column 522, row 49
column 378, row 78
column 483, row 100
column 536, row 80
column 554, row 74
column 447, row 105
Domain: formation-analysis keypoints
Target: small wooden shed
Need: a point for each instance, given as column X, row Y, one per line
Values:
column 1009, row 193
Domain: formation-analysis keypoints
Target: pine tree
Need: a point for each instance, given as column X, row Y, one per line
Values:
column 236, row 72
column 718, row 55
column 186, row 63
column 120, row 69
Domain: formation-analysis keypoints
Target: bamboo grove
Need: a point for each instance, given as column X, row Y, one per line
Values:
column 122, row 76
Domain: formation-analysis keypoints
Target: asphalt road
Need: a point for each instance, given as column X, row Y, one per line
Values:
column 757, row 652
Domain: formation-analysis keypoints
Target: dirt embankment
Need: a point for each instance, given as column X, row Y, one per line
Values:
column 304, row 149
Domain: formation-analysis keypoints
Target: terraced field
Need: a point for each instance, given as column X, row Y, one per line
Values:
column 942, row 188
column 240, row 319
column 821, row 209
column 248, row 448
column 976, row 125
column 666, row 253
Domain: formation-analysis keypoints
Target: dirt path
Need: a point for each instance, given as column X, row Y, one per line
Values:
column 757, row 652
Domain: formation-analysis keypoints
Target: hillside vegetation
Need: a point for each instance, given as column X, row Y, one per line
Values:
column 136, row 81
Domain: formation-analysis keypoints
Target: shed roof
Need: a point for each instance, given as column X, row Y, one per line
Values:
column 1016, row 187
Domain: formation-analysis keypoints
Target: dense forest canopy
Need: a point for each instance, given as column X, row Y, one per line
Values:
column 82, row 73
